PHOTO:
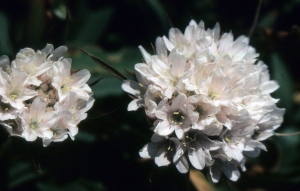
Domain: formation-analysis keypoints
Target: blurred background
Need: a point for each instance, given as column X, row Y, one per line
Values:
column 104, row 155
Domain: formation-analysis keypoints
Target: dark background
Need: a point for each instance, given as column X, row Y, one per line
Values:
column 104, row 155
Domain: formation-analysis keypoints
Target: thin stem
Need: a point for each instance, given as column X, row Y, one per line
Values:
column 255, row 19
column 287, row 134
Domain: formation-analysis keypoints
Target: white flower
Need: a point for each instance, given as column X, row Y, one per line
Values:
column 36, row 122
column 14, row 89
column 74, row 111
column 152, row 98
column 212, row 92
column 7, row 111
column 65, row 83
column 178, row 117
column 59, row 129
column 136, row 89
column 229, row 169
column 34, row 64
column 161, row 149
column 4, row 64
column 198, row 147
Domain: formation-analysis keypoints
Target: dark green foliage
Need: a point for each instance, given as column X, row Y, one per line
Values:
column 104, row 155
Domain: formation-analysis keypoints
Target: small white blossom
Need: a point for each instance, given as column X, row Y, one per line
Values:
column 36, row 122
column 65, row 83
column 14, row 89
column 33, row 63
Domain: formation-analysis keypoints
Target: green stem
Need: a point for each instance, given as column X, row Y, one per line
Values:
column 286, row 134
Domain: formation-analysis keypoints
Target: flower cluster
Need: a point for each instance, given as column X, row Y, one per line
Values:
column 209, row 99
column 40, row 95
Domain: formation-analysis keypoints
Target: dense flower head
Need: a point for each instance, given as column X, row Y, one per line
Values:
column 40, row 95
column 209, row 98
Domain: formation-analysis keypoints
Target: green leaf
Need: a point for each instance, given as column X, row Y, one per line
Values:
column 122, row 60
column 281, row 74
column 93, row 26
column 286, row 144
column 85, row 137
column 21, row 172
column 5, row 46
column 106, row 66
column 76, row 185
column 268, row 20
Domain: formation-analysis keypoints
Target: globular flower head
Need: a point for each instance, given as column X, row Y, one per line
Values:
column 209, row 97
column 40, row 97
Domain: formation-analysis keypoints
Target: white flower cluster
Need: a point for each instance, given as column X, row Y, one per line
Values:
column 209, row 98
column 41, row 97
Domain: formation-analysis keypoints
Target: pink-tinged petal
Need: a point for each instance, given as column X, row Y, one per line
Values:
column 159, row 66
column 50, row 118
column 189, row 33
column 253, row 153
column 69, row 103
column 48, row 49
column 231, row 171
column 168, row 44
column 4, row 64
column 146, row 55
column 215, row 174
column 73, row 130
column 178, row 64
column 135, row 104
column 4, row 79
column 19, row 78
column 269, row 87
column 212, row 126
column 34, row 81
column 264, row 135
column 216, row 31
column 256, row 144
column 182, row 165
column 84, row 105
column 46, row 134
column 62, row 69
column 178, row 102
column 233, row 152
column 243, row 39
column 162, row 160
column 58, row 53
column 161, row 114
column 180, row 150
column 224, row 120
column 27, row 94
column 179, row 132
column 83, row 92
column 37, row 107
column 197, row 158
column 161, row 48
column 157, row 138
column 80, row 78
column 164, row 128
column 16, row 104
column 29, row 136
column 144, row 152
column 169, row 92
column 193, row 23
column 175, row 35
column 132, row 87
column 152, row 149
column 46, row 142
